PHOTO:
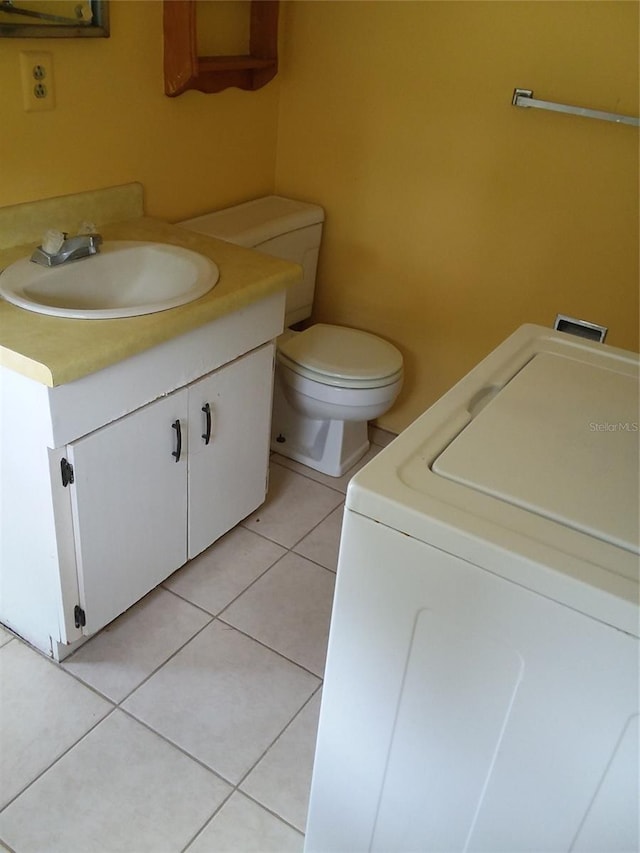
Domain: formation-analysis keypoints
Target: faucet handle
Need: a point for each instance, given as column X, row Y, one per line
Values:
column 52, row 241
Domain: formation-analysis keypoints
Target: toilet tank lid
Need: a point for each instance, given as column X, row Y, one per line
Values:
column 254, row 222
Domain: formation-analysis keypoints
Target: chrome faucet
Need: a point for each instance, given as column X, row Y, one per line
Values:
column 69, row 249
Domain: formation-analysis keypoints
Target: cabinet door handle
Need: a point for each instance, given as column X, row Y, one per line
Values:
column 178, row 450
column 206, row 435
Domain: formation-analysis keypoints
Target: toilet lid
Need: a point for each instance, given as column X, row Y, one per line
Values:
column 342, row 354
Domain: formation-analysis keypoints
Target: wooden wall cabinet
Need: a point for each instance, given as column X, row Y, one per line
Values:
column 184, row 69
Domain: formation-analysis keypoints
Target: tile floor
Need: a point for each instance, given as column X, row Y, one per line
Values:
column 189, row 723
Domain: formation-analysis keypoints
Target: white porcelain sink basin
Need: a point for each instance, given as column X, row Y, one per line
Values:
column 125, row 279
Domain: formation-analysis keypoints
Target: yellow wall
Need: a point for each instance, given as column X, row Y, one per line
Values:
column 453, row 217
column 113, row 124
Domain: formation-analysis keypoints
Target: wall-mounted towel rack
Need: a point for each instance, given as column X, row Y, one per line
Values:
column 524, row 98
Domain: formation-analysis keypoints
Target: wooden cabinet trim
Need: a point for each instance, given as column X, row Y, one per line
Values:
column 184, row 69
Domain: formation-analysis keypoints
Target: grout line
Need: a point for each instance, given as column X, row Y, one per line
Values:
column 58, row 664
column 247, row 588
column 242, row 592
column 308, row 477
column 274, row 651
column 177, row 746
column 297, row 541
column 271, row 812
column 277, row 738
column 237, row 789
column 59, row 757
column 166, row 661
column 295, row 545
column 335, row 509
column 234, row 786
column 313, row 562
column 252, row 529
column 208, row 820
column 199, row 607
column 311, row 529
column 9, row 848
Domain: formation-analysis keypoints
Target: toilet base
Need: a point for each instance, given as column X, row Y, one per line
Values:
column 328, row 446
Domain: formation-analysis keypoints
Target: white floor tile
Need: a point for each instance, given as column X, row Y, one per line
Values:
column 282, row 779
column 121, row 789
column 288, row 609
column 223, row 698
column 338, row 483
column 95, row 779
column 43, row 712
column 126, row 652
column 294, row 506
column 225, row 569
column 323, row 543
column 242, row 826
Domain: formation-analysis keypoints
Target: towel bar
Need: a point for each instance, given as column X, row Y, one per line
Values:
column 524, row 98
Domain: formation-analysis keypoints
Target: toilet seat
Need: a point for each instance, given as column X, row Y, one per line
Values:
column 342, row 357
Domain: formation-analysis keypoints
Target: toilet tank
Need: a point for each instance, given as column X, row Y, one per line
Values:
column 282, row 227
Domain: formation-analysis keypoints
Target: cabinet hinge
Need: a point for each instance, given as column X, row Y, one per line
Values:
column 79, row 616
column 66, row 469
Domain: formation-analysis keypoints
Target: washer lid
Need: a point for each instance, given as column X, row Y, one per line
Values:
column 561, row 440
column 527, row 468
column 342, row 353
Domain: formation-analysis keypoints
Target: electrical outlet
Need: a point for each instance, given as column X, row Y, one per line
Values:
column 36, row 68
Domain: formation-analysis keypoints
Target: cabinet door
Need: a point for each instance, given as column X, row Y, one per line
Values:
column 129, row 500
column 228, row 475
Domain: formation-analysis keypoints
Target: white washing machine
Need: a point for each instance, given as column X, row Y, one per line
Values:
column 481, row 688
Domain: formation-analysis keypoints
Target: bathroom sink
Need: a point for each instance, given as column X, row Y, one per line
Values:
column 125, row 279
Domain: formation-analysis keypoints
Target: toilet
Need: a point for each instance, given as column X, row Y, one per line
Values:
column 329, row 380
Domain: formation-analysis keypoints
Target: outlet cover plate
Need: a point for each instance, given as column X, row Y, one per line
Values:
column 36, row 70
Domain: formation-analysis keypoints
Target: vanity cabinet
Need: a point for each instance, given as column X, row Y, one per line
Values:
column 158, row 486
column 112, row 482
